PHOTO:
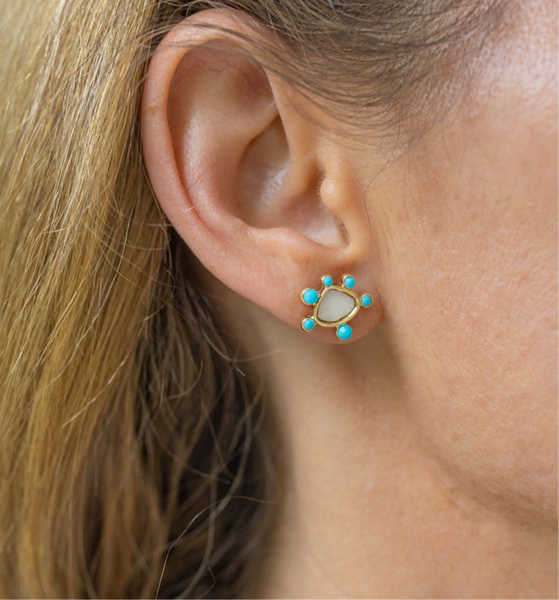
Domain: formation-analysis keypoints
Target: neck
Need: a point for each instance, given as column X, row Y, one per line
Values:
column 367, row 507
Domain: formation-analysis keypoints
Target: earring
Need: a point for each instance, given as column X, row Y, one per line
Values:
column 334, row 306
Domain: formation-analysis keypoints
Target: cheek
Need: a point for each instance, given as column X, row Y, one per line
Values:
column 473, row 290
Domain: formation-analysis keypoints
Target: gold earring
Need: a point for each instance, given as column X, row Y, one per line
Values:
column 334, row 305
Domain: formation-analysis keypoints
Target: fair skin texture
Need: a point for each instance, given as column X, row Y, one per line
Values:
column 418, row 460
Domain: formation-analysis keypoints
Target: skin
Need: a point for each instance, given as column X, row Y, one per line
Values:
column 418, row 460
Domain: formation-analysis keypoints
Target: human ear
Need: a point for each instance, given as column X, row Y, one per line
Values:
column 255, row 188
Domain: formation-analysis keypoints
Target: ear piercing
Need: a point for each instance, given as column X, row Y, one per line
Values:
column 334, row 305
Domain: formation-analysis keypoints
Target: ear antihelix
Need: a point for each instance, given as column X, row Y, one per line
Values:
column 334, row 305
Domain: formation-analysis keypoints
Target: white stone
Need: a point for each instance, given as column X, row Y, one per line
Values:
column 335, row 305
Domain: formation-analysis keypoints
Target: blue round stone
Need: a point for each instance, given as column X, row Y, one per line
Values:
column 310, row 296
column 366, row 300
column 344, row 332
column 327, row 280
column 308, row 324
column 349, row 281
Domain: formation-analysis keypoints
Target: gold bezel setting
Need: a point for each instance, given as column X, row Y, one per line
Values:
column 312, row 297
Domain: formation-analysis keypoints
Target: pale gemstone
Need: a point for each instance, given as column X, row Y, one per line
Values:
column 335, row 306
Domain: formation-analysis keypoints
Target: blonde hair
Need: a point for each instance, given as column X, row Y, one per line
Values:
column 133, row 458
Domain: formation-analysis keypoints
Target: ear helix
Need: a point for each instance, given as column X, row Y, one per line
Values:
column 334, row 305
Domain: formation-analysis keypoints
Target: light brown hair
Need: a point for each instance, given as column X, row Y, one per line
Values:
column 133, row 460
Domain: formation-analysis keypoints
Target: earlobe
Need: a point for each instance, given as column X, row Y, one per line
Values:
column 238, row 170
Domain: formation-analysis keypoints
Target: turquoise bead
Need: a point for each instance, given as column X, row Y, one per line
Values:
column 310, row 296
column 349, row 281
column 327, row 280
column 308, row 324
column 344, row 332
column 366, row 300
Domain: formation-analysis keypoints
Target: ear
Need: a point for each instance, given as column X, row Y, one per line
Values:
column 259, row 192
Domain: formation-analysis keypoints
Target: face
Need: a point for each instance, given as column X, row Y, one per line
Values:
column 469, row 277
